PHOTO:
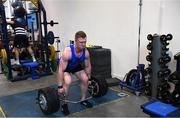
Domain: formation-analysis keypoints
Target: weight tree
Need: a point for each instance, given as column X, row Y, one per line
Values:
column 158, row 70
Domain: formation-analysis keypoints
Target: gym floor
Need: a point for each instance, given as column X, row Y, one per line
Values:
column 126, row 107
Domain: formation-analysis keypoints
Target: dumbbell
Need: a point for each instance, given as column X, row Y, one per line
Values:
column 163, row 38
column 167, row 72
column 164, row 73
column 164, row 48
column 150, row 37
column 164, row 53
column 169, row 37
column 149, row 57
column 164, row 59
column 148, row 70
column 160, row 74
column 163, row 66
column 165, row 43
column 149, row 46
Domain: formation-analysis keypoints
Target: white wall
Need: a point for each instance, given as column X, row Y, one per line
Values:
column 114, row 24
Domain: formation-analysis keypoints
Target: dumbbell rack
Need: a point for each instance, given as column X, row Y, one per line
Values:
column 157, row 69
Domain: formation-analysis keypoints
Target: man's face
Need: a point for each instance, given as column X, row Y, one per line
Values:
column 81, row 43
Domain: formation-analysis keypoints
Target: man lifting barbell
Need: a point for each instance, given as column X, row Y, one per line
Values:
column 71, row 62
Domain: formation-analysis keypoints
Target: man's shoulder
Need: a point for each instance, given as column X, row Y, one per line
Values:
column 67, row 53
column 67, row 49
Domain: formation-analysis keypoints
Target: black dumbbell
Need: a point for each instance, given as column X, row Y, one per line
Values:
column 149, row 46
column 164, row 59
column 150, row 37
column 149, row 58
column 165, row 43
column 164, row 48
column 167, row 72
column 163, row 53
column 167, row 58
column 160, row 74
column 163, row 38
column 161, row 61
column 148, row 70
column 169, row 37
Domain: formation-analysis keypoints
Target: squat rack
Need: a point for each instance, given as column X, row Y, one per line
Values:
column 43, row 40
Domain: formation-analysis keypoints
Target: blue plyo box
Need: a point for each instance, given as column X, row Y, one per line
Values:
column 158, row 108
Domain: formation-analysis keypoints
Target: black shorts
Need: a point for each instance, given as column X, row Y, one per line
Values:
column 21, row 41
column 76, row 69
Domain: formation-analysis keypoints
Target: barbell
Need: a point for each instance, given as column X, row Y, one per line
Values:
column 52, row 23
column 49, row 100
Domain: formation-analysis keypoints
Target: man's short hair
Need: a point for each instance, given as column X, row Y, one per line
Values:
column 80, row 34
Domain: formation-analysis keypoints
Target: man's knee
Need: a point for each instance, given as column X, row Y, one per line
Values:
column 67, row 81
column 85, row 79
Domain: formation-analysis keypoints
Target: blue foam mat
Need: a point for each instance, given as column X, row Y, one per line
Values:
column 24, row 104
column 160, row 108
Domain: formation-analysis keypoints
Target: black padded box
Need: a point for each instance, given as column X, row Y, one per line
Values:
column 100, row 62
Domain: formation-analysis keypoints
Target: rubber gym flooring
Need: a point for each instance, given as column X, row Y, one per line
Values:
column 18, row 99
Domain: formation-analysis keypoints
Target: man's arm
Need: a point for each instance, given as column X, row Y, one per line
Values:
column 62, row 66
column 87, row 64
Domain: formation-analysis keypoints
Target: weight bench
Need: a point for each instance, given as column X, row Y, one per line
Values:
column 157, row 108
column 33, row 66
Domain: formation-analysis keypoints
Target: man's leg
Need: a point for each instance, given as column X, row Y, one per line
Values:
column 84, row 83
column 31, row 53
column 16, row 51
column 84, row 87
column 66, row 84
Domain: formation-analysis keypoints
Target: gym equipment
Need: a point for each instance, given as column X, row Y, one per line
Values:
column 49, row 100
column 51, row 23
column 53, row 58
column 101, row 64
column 5, row 40
column 177, row 57
column 97, row 87
column 50, row 37
column 4, row 56
column 52, row 51
column 174, row 84
column 157, row 108
column 158, row 70
column 41, row 43
column 33, row 66
column 23, row 104
column 134, row 80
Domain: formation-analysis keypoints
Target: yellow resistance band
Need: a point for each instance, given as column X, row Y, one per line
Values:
column 3, row 114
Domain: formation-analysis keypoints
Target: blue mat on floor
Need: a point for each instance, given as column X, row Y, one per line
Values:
column 24, row 104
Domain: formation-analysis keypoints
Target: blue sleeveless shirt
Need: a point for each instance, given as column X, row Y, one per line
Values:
column 75, row 61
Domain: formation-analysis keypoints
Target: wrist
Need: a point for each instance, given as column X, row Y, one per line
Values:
column 60, row 86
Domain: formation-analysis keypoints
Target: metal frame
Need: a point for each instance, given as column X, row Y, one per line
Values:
column 44, row 39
